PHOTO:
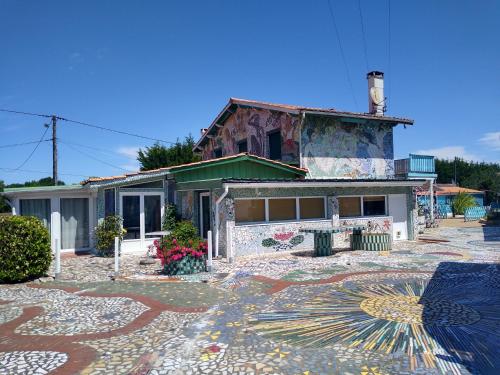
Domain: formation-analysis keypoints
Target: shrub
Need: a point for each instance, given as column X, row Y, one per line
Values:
column 105, row 234
column 182, row 244
column 24, row 248
column 170, row 218
column 461, row 202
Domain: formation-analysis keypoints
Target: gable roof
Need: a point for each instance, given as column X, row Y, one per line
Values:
column 198, row 165
column 234, row 103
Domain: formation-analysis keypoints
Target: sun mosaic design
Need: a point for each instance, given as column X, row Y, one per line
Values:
column 435, row 322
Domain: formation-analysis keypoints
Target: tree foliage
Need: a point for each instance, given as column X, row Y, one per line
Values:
column 461, row 202
column 159, row 156
column 479, row 176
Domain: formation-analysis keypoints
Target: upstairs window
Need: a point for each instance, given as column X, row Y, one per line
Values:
column 242, row 146
column 274, row 139
column 218, row 153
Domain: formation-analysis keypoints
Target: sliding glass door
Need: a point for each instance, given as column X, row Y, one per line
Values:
column 74, row 223
column 141, row 213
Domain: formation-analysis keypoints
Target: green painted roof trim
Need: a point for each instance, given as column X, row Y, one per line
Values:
column 237, row 159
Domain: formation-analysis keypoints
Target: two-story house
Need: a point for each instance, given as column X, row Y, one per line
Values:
column 267, row 171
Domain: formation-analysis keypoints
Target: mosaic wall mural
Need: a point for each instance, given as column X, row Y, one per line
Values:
column 269, row 238
column 185, row 200
column 334, row 149
column 253, row 125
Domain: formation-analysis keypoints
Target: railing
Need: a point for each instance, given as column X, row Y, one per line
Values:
column 415, row 164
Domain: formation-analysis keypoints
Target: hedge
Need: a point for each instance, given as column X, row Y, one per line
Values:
column 24, row 248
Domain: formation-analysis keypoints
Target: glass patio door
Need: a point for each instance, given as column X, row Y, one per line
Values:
column 141, row 213
column 74, row 223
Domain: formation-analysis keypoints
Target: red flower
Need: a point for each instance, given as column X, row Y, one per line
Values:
column 283, row 236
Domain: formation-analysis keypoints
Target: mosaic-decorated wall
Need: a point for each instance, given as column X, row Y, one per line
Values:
column 185, row 204
column 268, row 238
column 333, row 149
column 253, row 125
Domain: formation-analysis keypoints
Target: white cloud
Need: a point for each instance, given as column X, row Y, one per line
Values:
column 449, row 152
column 129, row 152
column 491, row 140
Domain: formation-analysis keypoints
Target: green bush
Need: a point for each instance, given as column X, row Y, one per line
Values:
column 185, row 234
column 170, row 218
column 105, row 234
column 461, row 202
column 24, row 248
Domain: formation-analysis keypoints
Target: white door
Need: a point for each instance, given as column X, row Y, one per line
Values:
column 141, row 213
column 398, row 211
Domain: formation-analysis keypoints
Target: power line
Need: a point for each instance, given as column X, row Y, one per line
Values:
column 24, row 113
column 34, row 149
column 114, row 130
column 97, row 159
column 364, row 36
column 89, row 147
column 88, row 125
column 342, row 53
column 24, row 143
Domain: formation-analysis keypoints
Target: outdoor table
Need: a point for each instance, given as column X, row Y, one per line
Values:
column 323, row 242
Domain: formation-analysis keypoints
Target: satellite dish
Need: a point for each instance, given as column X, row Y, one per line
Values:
column 376, row 96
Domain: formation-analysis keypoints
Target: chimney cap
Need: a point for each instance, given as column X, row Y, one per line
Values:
column 375, row 73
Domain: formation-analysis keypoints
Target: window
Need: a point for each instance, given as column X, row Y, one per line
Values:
column 74, row 223
column 109, row 202
column 152, row 213
column 312, row 208
column 362, row 206
column 349, row 206
column 374, row 206
column 39, row 208
column 218, row 153
column 242, row 146
column 250, row 210
column 282, row 209
column 274, row 145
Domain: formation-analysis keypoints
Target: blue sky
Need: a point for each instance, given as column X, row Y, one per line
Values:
column 165, row 69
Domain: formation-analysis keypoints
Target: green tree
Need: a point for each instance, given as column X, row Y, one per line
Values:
column 159, row 156
column 473, row 175
column 461, row 202
column 4, row 202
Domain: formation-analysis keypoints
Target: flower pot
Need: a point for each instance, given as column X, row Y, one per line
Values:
column 185, row 266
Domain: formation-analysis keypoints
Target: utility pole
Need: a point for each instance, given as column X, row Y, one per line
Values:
column 54, row 149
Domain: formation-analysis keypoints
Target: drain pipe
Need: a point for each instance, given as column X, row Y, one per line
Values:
column 217, row 203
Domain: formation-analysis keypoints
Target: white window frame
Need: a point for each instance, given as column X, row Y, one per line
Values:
column 361, row 202
column 142, row 221
column 297, row 210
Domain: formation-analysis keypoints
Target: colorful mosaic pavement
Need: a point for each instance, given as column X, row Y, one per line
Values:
column 427, row 307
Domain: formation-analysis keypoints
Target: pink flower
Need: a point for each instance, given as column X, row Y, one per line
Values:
column 283, row 236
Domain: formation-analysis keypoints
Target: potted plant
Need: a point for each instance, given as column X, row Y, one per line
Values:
column 183, row 251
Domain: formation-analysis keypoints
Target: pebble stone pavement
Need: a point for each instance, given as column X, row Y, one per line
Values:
column 427, row 307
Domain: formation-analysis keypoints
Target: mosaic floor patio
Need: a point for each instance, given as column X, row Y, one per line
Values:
column 427, row 307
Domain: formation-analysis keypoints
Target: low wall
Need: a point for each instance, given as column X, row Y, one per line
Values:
column 252, row 239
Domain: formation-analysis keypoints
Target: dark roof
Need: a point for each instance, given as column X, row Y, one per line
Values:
column 233, row 103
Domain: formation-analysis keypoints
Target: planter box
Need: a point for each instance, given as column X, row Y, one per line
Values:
column 371, row 241
column 185, row 266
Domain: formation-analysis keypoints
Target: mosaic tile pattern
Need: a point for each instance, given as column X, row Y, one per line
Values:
column 427, row 307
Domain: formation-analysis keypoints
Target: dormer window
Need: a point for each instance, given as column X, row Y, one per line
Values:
column 274, row 141
column 242, row 146
column 218, row 153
